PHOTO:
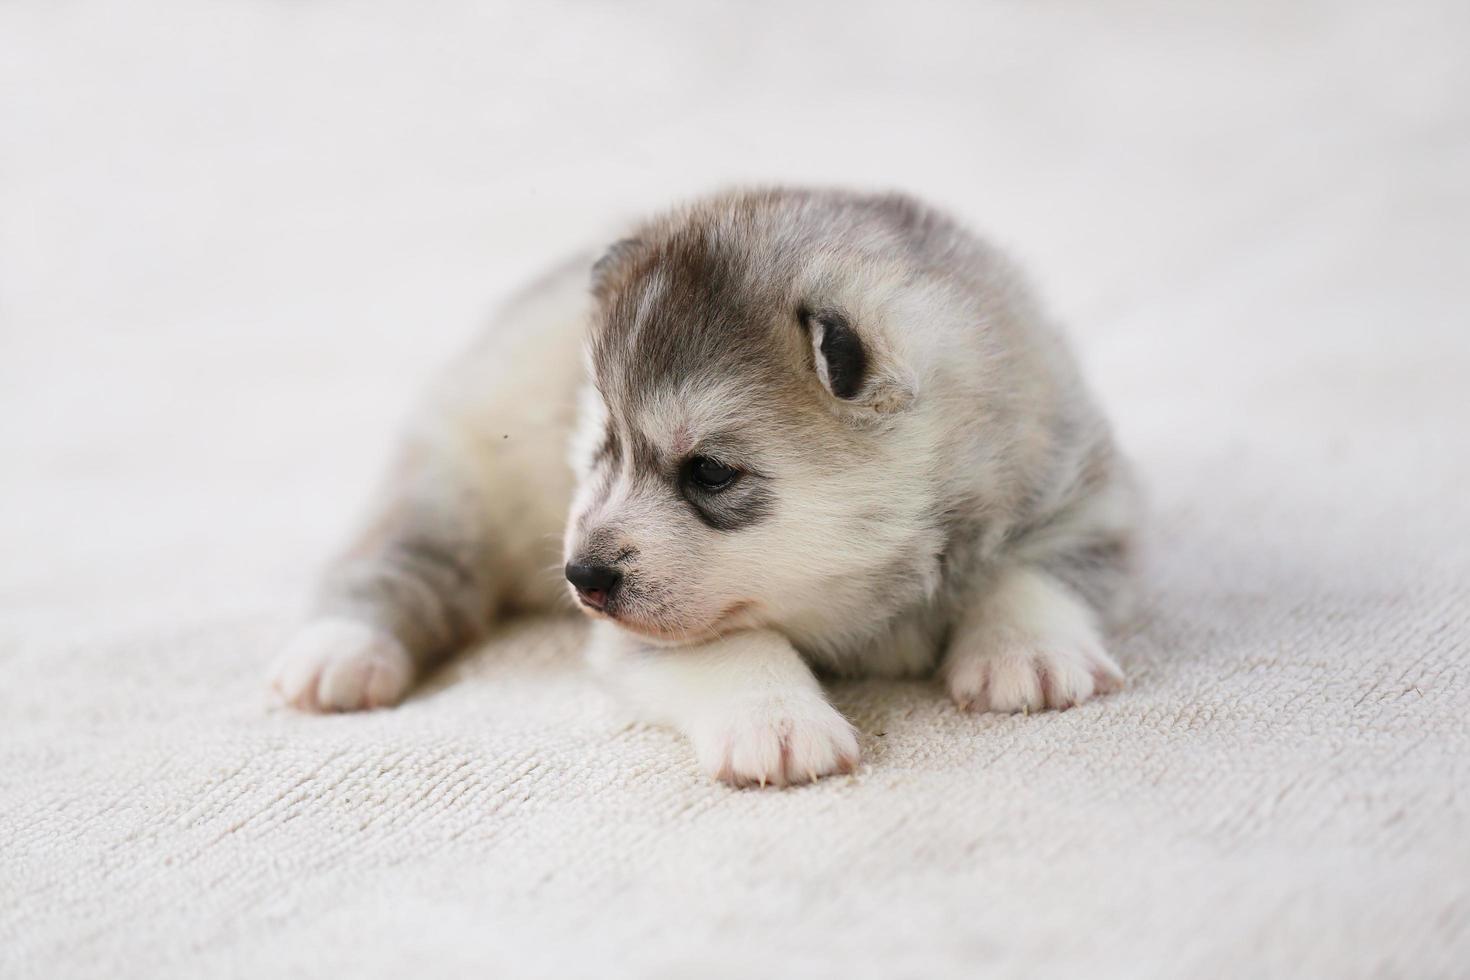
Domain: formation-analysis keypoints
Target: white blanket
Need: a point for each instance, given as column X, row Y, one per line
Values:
column 234, row 239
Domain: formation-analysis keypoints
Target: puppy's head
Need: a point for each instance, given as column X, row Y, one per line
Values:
column 747, row 451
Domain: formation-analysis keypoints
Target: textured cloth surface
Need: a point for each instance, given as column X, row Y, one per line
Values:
column 235, row 239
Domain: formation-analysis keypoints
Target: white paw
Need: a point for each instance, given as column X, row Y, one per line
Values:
column 341, row 665
column 777, row 742
column 1026, row 674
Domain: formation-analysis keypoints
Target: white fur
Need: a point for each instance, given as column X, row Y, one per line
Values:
column 1028, row 645
column 335, row 664
column 750, row 706
column 494, row 429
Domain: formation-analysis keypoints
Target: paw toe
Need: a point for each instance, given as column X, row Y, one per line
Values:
column 815, row 751
column 1015, row 685
column 755, row 757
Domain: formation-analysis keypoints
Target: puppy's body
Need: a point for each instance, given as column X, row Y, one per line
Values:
column 812, row 429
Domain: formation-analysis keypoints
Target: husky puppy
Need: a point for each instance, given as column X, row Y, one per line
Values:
column 809, row 431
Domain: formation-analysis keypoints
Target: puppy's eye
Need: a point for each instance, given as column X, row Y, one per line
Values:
column 709, row 474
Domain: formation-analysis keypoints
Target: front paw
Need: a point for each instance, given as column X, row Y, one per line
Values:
column 1030, row 674
column 777, row 742
column 341, row 665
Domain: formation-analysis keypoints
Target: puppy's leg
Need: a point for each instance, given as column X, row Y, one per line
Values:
column 1031, row 636
column 1029, row 643
column 467, row 521
column 415, row 584
column 751, row 707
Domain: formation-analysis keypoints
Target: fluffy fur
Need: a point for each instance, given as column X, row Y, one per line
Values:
column 921, row 481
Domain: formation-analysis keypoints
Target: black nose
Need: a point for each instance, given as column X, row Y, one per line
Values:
column 595, row 584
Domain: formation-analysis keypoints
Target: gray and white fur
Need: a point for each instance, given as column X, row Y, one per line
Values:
column 809, row 431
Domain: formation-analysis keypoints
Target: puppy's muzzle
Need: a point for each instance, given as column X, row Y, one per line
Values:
column 595, row 584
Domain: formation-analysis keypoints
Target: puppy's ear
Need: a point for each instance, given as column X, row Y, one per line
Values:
column 852, row 369
column 605, row 270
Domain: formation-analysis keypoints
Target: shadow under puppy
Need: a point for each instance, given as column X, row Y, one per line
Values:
column 808, row 429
